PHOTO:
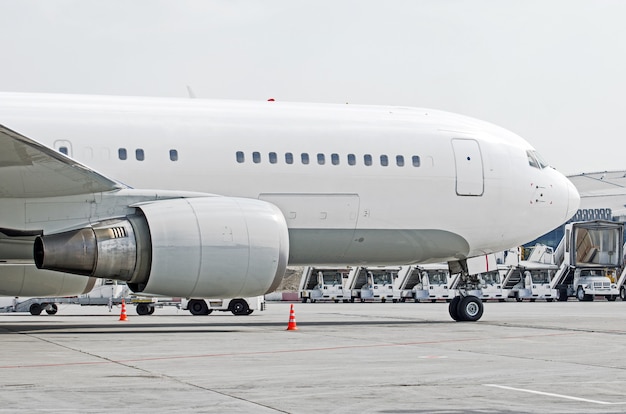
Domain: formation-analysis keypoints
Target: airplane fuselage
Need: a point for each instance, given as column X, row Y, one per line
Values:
column 379, row 185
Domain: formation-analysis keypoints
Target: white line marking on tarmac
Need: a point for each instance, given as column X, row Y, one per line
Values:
column 550, row 394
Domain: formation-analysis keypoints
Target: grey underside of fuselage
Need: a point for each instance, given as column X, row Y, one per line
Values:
column 393, row 247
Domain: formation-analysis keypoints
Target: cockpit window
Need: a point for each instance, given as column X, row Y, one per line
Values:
column 535, row 160
column 542, row 162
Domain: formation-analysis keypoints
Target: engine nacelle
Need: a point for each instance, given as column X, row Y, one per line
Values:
column 210, row 247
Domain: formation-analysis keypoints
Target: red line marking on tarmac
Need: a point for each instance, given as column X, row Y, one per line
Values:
column 284, row 351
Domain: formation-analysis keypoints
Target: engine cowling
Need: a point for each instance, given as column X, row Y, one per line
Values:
column 211, row 247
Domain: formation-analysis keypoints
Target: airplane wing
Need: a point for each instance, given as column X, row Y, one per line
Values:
column 29, row 169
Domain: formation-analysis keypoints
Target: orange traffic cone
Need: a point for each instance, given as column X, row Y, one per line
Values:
column 292, row 320
column 123, row 316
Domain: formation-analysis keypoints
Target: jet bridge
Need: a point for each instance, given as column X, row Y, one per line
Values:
column 588, row 254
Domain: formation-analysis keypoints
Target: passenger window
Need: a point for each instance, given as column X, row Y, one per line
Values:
column 351, row 159
column 256, row 157
column 121, row 153
column 139, row 154
column 367, row 159
column 416, row 160
column 289, row 158
column 399, row 160
column 320, row 159
column 240, row 157
column 273, row 158
column 384, row 161
column 173, row 155
column 63, row 150
column 305, row 158
column 334, row 158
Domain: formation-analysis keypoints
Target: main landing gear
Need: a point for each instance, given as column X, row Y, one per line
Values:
column 466, row 308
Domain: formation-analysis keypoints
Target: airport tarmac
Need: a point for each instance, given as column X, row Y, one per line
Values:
column 346, row 357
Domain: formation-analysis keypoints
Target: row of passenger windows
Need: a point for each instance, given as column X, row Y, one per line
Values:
column 140, row 154
column 334, row 159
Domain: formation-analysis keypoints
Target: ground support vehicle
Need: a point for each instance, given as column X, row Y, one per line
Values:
column 491, row 284
column 237, row 306
column 373, row 284
column 106, row 293
column 324, row 284
column 589, row 256
column 531, row 280
column 428, row 282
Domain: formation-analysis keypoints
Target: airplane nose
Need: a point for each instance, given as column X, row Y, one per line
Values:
column 574, row 200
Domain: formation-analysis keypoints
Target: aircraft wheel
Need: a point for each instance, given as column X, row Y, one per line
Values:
column 453, row 308
column 35, row 309
column 470, row 309
column 142, row 309
column 198, row 307
column 239, row 307
column 52, row 309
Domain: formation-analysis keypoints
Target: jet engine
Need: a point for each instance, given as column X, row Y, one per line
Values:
column 218, row 247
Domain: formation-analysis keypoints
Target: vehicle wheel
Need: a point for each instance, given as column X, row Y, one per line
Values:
column 313, row 301
column 304, row 300
column 622, row 293
column 453, row 308
column 336, row 301
column 151, row 311
column 470, row 309
column 518, row 299
column 35, row 309
column 198, row 307
column 351, row 300
column 142, row 309
column 383, row 300
column 250, row 312
column 239, row 307
column 549, row 299
column 580, row 294
column 561, row 294
column 611, row 298
column 52, row 309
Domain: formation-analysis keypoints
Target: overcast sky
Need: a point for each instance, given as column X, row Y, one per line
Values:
column 552, row 71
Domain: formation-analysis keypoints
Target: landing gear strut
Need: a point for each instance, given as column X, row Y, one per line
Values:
column 466, row 307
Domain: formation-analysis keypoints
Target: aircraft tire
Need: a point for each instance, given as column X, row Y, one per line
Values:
column 239, row 307
column 198, row 307
column 142, row 309
column 470, row 309
column 453, row 308
column 52, row 309
column 35, row 309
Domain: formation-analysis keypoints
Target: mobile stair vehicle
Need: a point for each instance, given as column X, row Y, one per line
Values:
column 589, row 255
column 324, row 284
column 428, row 282
column 373, row 284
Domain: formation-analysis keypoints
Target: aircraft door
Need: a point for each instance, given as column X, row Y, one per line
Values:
column 469, row 167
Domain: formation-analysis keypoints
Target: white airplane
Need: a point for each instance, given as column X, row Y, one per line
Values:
column 245, row 188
